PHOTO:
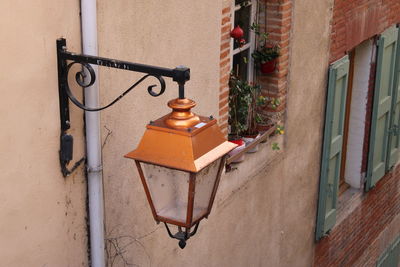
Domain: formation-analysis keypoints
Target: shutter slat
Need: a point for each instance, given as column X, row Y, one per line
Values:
column 332, row 146
column 394, row 135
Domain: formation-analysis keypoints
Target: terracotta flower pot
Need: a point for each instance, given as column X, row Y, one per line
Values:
column 268, row 67
column 262, row 128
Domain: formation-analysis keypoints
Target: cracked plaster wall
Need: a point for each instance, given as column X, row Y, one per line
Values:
column 42, row 215
column 265, row 217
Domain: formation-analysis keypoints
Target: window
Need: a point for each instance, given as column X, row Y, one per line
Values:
column 351, row 170
column 342, row 150
column 242, row 62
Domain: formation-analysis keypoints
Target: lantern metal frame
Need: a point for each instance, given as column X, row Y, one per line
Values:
column 184, row 235
column 183, row 141
column 191, row 193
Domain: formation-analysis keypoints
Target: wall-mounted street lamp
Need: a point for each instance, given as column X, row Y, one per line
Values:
column 181, row 155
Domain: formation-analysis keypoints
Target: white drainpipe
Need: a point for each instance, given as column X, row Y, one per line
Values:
column 93, row 140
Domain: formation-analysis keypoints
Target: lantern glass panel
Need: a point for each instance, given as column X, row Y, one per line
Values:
column 205, row 181
column 169, row 191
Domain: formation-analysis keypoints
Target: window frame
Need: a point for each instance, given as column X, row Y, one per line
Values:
column 250, row 45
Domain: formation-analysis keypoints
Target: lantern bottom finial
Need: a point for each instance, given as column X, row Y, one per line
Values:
column 182, row 244
column 182, row 236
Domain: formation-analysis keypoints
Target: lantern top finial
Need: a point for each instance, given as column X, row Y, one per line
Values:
column 181, row 117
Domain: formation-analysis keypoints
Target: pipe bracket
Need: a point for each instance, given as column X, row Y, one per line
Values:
column 94, row 169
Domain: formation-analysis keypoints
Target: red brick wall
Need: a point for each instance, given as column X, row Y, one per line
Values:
column 354, row 240
column 225, row 65
column 357, row 233
column 276, row 21
column 355, row 21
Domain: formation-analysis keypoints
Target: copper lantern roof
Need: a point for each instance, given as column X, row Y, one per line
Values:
column 182, row 140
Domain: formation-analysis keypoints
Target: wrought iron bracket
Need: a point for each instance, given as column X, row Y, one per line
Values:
column 86, row 77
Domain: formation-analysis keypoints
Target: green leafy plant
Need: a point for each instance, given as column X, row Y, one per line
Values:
column 264, row 121
column 265, row 50
column 253, row 116
column 275, row 146
column 238, row 102
column 266, row 53
column 274, row 102
column 279, row 129
column 255, row 102
column 245, row 3
column 244, row 98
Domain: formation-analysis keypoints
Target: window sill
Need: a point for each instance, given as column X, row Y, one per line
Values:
column 263, row 138
column 242, row 173
column 348, row 201
column 352, row 198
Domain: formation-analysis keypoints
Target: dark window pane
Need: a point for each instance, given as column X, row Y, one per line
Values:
column 239, row 65
column 242, row 18
column 238, row 2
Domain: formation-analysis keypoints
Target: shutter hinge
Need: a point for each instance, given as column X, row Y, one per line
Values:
column 394, row 130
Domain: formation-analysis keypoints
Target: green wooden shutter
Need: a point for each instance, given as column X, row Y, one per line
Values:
column 391, row 257
column 383, row 261
column 394, row 136
column 332, row 146
column 381, row 110
column 395, row 253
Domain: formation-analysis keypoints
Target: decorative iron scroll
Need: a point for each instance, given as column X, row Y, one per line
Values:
column 80, row 79
column 86, row 77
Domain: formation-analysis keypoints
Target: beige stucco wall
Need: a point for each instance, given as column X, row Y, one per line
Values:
column 304, row 127
column 265, row 211
column 164, row 33
column 42, row 215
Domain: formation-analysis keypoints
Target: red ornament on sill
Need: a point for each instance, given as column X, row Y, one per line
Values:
column 237, row 32
column 239, row 142
column 242, row 42
column 268, row 67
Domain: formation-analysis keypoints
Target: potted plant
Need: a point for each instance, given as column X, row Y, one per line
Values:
column 244, row 98
column 253, row 116
column 265, row 123
column 239, row 99
column 266, row 56
column 266, row 52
